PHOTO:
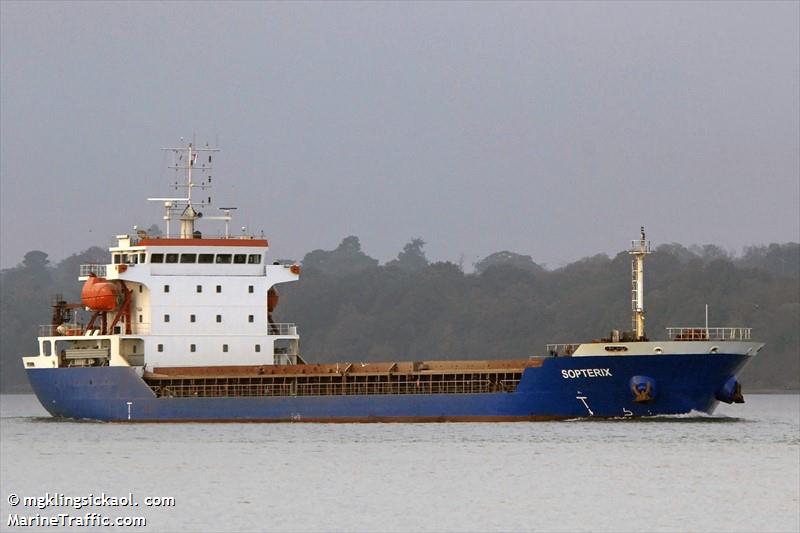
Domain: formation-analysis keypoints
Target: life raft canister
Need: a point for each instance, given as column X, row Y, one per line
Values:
column 643, row 388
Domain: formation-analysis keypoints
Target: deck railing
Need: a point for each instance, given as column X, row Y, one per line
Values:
column 561, row 348
column 329, row 389
column 708, row 334
column 282, row 329
column 70, row 330
column 49, row 330
column 333, row 386
column 93, row 268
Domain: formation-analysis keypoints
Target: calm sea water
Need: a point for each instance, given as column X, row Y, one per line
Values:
column 736, row 471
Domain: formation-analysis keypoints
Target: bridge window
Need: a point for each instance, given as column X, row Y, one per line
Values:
column 116, row 259
column 240, row 259
column 156, row 258
column 205, row 258
column 188, row 258
column 142, row 257
column 223, row 259
column 254, row 259
column 172, row 258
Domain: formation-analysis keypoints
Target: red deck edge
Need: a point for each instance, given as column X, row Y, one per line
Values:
column 251, row 243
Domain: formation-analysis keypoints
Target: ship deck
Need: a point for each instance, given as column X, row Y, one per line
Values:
column 411, row 377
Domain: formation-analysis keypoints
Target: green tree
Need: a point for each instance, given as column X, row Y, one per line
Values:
column 412, row 258
column 522, row 262
column 347, row 258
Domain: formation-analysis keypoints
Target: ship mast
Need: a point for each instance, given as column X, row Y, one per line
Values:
column 639, row 249
column 186, row 159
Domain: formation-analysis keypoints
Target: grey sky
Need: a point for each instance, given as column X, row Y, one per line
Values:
column 553, row 130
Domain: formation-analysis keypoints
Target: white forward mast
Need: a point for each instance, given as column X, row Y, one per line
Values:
column 639, row 249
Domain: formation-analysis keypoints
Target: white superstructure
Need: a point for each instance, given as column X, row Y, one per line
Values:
column 177, row 301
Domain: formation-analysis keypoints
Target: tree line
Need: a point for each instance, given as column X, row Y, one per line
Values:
column 349, row 307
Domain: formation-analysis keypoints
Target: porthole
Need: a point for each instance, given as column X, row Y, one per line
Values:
column 714, row 349
column 658, row 350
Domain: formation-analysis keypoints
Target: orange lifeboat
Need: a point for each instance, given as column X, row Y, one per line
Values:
column 272, row 299
column 99, row 294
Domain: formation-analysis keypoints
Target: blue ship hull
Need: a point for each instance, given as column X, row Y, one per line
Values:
column 562, row 387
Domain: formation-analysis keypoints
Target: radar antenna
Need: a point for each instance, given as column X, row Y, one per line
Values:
column 227, row 217
column 186, row 159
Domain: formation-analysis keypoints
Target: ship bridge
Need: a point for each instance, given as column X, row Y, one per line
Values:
column 177, row 300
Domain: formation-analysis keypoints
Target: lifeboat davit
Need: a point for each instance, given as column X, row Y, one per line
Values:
column 99, row 294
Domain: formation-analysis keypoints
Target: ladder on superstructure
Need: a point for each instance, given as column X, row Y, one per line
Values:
column 639, row 249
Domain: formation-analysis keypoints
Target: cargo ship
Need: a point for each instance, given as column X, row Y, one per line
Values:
column 179, row 327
